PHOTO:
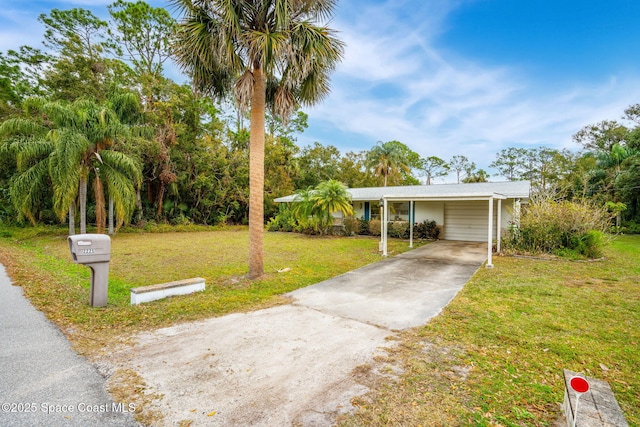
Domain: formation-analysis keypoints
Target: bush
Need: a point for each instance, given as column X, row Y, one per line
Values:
column 398, row 229
column 427, row 230
column 374, row 227
column 283, row 221
column 364, row 227
column 592, row 243
column 630, row 228
column 351, row 226
column 549, row 226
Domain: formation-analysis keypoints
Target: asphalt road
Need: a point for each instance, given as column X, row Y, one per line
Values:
column 43, row 382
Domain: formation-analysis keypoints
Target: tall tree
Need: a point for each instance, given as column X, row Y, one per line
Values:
column 547, row 167
column 434, row 167
column 81, row 68
column 387, row 159
column 21, row 75
column 271, row 52
column 144, row 32
column 459, row 164
column 317, row 163
column 353, row 170
column 602, row 136
column 511, row 163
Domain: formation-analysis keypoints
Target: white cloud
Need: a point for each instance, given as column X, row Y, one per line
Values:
column 444, row 105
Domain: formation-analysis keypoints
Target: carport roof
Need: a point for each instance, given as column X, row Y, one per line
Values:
column 509, row 189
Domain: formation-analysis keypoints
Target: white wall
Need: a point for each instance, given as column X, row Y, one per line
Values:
column 358, row 210
column 432, row 211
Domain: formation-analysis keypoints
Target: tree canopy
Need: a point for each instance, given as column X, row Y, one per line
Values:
column 182, row 153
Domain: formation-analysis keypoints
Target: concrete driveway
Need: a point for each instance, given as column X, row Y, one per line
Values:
column 293, row 364
column 399, row 292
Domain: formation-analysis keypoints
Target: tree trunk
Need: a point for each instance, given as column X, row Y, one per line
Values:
column 83, row 205
column 72, row 219
column 138, row 206
column 101, row 212
column 160, row 201
column 111, row 216
column 256, row 176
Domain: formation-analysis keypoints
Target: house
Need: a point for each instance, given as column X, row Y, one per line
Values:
column 477, row 212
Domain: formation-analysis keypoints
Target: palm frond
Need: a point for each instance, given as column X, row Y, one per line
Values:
column 27, row 190
column 30, row 150
column 18, row 126
column 61, row 114
column 127, row 107
column 121, row 175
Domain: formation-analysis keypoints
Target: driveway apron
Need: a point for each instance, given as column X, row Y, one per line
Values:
column 294, row 364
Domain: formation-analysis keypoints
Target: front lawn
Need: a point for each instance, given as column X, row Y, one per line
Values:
column 38, row 259
column 494, row 357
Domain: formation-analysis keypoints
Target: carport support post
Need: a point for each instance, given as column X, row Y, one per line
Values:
column 499, row 225
column 384, row 226
column 411, row 221
column 490, row 235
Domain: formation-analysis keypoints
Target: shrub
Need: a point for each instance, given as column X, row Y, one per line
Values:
column 351, row 226
column 363, row 227
column 630, row 228
column 549, row 226
column 283, row 221
column 427, row 230
column 398, row 229
column 374, row 227
column 591, row 244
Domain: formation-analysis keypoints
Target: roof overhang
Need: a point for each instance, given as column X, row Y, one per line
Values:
column 440, row 192
column 465, row 197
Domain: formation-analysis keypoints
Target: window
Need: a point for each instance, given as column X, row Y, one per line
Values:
column 399, row 211
column 375, row 210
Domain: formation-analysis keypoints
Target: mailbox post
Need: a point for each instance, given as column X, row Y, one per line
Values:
column 94, row 251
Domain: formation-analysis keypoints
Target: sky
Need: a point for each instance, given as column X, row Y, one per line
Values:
column 452, row 77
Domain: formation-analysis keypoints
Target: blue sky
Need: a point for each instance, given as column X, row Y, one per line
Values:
column 449, row 77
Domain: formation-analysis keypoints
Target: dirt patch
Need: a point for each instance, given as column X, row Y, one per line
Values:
column 285, row 365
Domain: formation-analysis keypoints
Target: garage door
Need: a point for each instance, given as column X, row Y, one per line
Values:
column 467, row 221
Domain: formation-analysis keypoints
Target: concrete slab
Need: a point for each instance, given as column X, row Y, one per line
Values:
column 400, row 292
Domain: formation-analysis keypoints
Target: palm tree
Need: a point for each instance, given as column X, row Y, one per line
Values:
column 313, row 208
column 268, row 52
column 303, row 208
column 385, row 159
column 70, row 148
column 331, row 197
column 27, row 141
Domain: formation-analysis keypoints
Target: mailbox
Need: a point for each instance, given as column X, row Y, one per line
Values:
column 94, row 251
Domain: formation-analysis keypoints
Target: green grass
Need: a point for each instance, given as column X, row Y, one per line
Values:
column 38, row 259
column 494, row 357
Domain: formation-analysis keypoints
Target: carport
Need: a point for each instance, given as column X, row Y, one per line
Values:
column 489, row 198
column 468, row 212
